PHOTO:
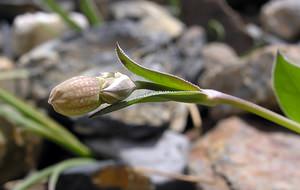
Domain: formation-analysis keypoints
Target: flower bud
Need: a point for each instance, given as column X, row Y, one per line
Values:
column 82, row 94
column 76, row 96
column 115, row 87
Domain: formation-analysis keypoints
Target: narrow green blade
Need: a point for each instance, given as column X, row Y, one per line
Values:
column 178, row 96
column 54, row 6
column 44, row 121
column 161, row 78
column 89, row 9
column 286, row 83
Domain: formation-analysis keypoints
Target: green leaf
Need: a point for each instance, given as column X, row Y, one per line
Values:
column 161, row 78
column 89, row 10
column 286, row 83
column 44, row 121
column 178, row 96
column 46, row 172
column 54, row 6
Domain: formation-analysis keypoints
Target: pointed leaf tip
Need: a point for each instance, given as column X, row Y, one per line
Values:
column 157, row 77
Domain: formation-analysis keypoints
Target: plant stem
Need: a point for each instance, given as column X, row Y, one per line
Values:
column 258, row 110
column 41, row 175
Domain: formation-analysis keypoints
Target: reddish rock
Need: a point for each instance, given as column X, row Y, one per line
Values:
column 244, row 158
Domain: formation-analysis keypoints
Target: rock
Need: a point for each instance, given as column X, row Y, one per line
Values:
column 202, row 12
column 261, row 37
column 18, row 150
column 6, row 64
column 218, row 54
column 102, row 176
column 189, row 47
column 250, row 79
column 32, row 29
column 215, row 57
column 11, row 8
column 9, row 77
column 246, row 158
column 282, row 18
column 151, row 18
column 192, row 41
column 165, row 152
column 247, row 7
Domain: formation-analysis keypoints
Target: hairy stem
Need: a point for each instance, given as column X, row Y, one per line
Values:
column 221, row 98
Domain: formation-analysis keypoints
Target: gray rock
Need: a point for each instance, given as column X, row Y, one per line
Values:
column 243, row 158
column 262, row 37
column 202, row 12
column 282, row 18
column 167, row 152
column 192, row 41
column 215, row 57
column 151, row 18
column 250, row 79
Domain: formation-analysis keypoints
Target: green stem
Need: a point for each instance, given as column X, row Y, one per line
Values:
column 222, row 98
column 41, row 175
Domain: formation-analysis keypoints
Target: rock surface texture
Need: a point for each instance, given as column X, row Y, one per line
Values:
column 203, row 12
column 282, row 18
column 235, row 156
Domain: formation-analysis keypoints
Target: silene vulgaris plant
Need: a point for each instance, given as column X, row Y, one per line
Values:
column 80, row 95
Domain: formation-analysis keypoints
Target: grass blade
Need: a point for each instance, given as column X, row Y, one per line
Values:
column 41, row 175
column 30, row 112
column 55, row 7
column 93, row 15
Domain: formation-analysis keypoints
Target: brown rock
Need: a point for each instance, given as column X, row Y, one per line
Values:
column 246, row 158
column 201, row 12
column 18, row 151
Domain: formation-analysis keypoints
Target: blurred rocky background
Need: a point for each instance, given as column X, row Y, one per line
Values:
column 227, row 45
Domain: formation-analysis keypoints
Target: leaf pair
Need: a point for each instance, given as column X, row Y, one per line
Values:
column 167, row 87
column 162, row 83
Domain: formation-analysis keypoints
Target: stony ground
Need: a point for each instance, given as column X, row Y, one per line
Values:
column 223, row 45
